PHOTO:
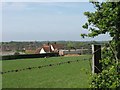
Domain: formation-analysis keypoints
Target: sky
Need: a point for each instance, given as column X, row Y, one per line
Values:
column 45, row 21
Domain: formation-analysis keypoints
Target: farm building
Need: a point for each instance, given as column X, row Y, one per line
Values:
column 48, row 48
column 74, row 52
column 69, row 52
column 43, row 49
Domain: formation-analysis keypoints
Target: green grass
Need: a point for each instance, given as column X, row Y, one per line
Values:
column 73, row 75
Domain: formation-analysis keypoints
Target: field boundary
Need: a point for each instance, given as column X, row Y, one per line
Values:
column 41, row 66
column 23, row 56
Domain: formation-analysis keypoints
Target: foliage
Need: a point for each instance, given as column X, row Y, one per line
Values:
column 20, row 46
column 109, row 77
column 70, row 45
column 16, row 53
column 106, row 20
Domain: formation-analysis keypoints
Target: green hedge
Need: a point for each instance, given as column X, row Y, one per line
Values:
column 11, row 57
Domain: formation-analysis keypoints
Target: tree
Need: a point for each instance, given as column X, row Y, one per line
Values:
column 69, row 45
column 106, row 19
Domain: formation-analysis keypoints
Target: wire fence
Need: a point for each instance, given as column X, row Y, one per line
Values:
column 42, row 66
column 54, row 64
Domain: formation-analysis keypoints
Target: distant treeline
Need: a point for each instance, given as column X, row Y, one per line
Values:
column 32, row 45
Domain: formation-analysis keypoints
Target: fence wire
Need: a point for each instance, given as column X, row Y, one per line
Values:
column 48, row 65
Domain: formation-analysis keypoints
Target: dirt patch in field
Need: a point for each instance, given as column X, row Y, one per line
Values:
column 71, row 55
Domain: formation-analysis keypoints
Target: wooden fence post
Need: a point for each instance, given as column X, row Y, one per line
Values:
column 96, row 66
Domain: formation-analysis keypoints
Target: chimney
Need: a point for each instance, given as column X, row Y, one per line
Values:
column 54, row 42
column 48, row 43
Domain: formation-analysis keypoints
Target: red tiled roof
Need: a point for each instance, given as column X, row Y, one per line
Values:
column 57, row 46
column 37, row 51
column 47, row 48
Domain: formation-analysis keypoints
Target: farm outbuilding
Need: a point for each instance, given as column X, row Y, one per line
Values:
column 48, row 48
column 70, row 52
column 43, row 49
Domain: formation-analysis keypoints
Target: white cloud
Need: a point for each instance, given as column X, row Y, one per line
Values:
column 57, row 0
column 45, row 0
column 14, row 5
column 59, row 12
column 62, row 4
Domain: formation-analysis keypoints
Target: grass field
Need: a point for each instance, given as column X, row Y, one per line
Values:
column 73, row 75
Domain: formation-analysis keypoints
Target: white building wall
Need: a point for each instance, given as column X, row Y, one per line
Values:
column 42, row 51
column 52, row 48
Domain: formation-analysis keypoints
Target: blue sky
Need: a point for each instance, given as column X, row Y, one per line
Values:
column 38, row 21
